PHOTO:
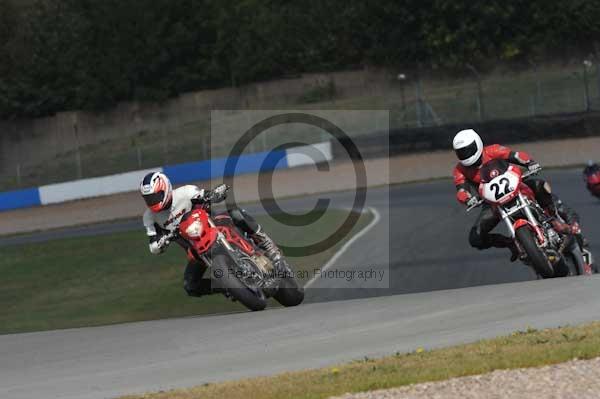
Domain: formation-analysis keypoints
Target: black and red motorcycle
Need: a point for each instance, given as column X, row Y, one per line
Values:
column 549, row 252
column 591, row 176
column 237, row 267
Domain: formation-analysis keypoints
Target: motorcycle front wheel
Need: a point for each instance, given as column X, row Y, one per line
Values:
column 538, row 259
column 224, row 276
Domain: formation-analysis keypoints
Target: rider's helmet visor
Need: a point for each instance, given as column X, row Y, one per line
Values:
column 466, row 152
column 154, row 198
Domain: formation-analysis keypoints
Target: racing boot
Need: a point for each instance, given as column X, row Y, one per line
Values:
column 570, row 228
column 564, row 219
column 266, row 243
column 514, row 251
column 561, row 227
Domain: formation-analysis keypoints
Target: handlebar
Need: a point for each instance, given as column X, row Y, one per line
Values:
column 172, row 235
column 218, row 194
column 531, row 173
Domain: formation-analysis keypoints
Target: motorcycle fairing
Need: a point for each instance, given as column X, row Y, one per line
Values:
column 194, row 227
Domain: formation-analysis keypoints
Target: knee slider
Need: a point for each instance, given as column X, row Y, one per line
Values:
column 188, row 288
column 547, row 188
column 199, row 288
column 475, row 239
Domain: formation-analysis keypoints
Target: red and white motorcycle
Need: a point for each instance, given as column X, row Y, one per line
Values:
column 548, row 252
column 237, row 266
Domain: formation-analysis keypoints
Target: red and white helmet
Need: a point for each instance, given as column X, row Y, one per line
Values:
column 157, row 191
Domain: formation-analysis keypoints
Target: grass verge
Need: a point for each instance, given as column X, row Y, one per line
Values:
column 530, row 348
column 113, row 278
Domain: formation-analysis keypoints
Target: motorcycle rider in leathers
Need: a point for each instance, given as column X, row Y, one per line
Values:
column 167, row 207
column 472, row 154
column 591, row 168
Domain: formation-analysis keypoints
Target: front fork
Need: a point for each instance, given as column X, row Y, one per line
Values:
column 507, row 221
column 220, row 239
column 525, row 208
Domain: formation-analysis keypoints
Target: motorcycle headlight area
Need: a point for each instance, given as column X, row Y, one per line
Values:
column 194, row 230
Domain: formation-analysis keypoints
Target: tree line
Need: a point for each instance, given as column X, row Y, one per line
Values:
column 58, row 55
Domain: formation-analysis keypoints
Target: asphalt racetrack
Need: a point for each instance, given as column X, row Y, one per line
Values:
column 419, row 244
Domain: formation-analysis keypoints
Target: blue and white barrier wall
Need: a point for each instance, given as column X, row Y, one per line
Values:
column 179, row 174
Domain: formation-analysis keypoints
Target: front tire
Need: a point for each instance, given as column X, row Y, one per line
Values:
column 224, row 276
column 538, row 259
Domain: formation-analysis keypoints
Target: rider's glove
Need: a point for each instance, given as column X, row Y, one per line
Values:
column 158, row 246
column 472, row 201
column 534, row 167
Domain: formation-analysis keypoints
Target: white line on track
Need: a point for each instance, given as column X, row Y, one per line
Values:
column 344, row 248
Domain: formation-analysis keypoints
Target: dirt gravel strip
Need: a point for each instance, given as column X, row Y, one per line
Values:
column 577, row 379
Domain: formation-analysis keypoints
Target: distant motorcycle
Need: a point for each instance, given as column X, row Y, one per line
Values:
column 591, row 176
column 237, row 266
column 548, row 252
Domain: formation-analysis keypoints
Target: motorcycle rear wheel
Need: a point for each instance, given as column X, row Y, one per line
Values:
column 289, row 293
column 538, row 259
column 225, row 277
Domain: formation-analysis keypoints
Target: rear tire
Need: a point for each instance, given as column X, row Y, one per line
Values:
column 289, row 293
column 538, row 259
column 578, row 269
column 224, row 276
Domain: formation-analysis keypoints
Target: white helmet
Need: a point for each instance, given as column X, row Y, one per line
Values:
column 468, row 147
column 157, row 191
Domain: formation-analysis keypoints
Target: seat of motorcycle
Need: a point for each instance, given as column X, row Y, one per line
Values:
column 222, row 219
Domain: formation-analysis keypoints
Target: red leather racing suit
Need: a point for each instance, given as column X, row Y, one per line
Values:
column 467, row 178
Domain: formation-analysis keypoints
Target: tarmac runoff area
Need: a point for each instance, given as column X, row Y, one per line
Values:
column 343, row 319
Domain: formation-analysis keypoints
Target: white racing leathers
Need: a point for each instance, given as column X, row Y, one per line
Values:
column 168, row 219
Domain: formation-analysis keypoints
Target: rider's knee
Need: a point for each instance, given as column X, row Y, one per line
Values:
column 475, row 239
column 542, row 190
column 197, row 288
column 189, row 288
column 244, row 221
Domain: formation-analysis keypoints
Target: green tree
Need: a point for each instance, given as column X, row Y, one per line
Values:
column 60, row 55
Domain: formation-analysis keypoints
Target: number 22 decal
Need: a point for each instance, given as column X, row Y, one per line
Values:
column 501, row 192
